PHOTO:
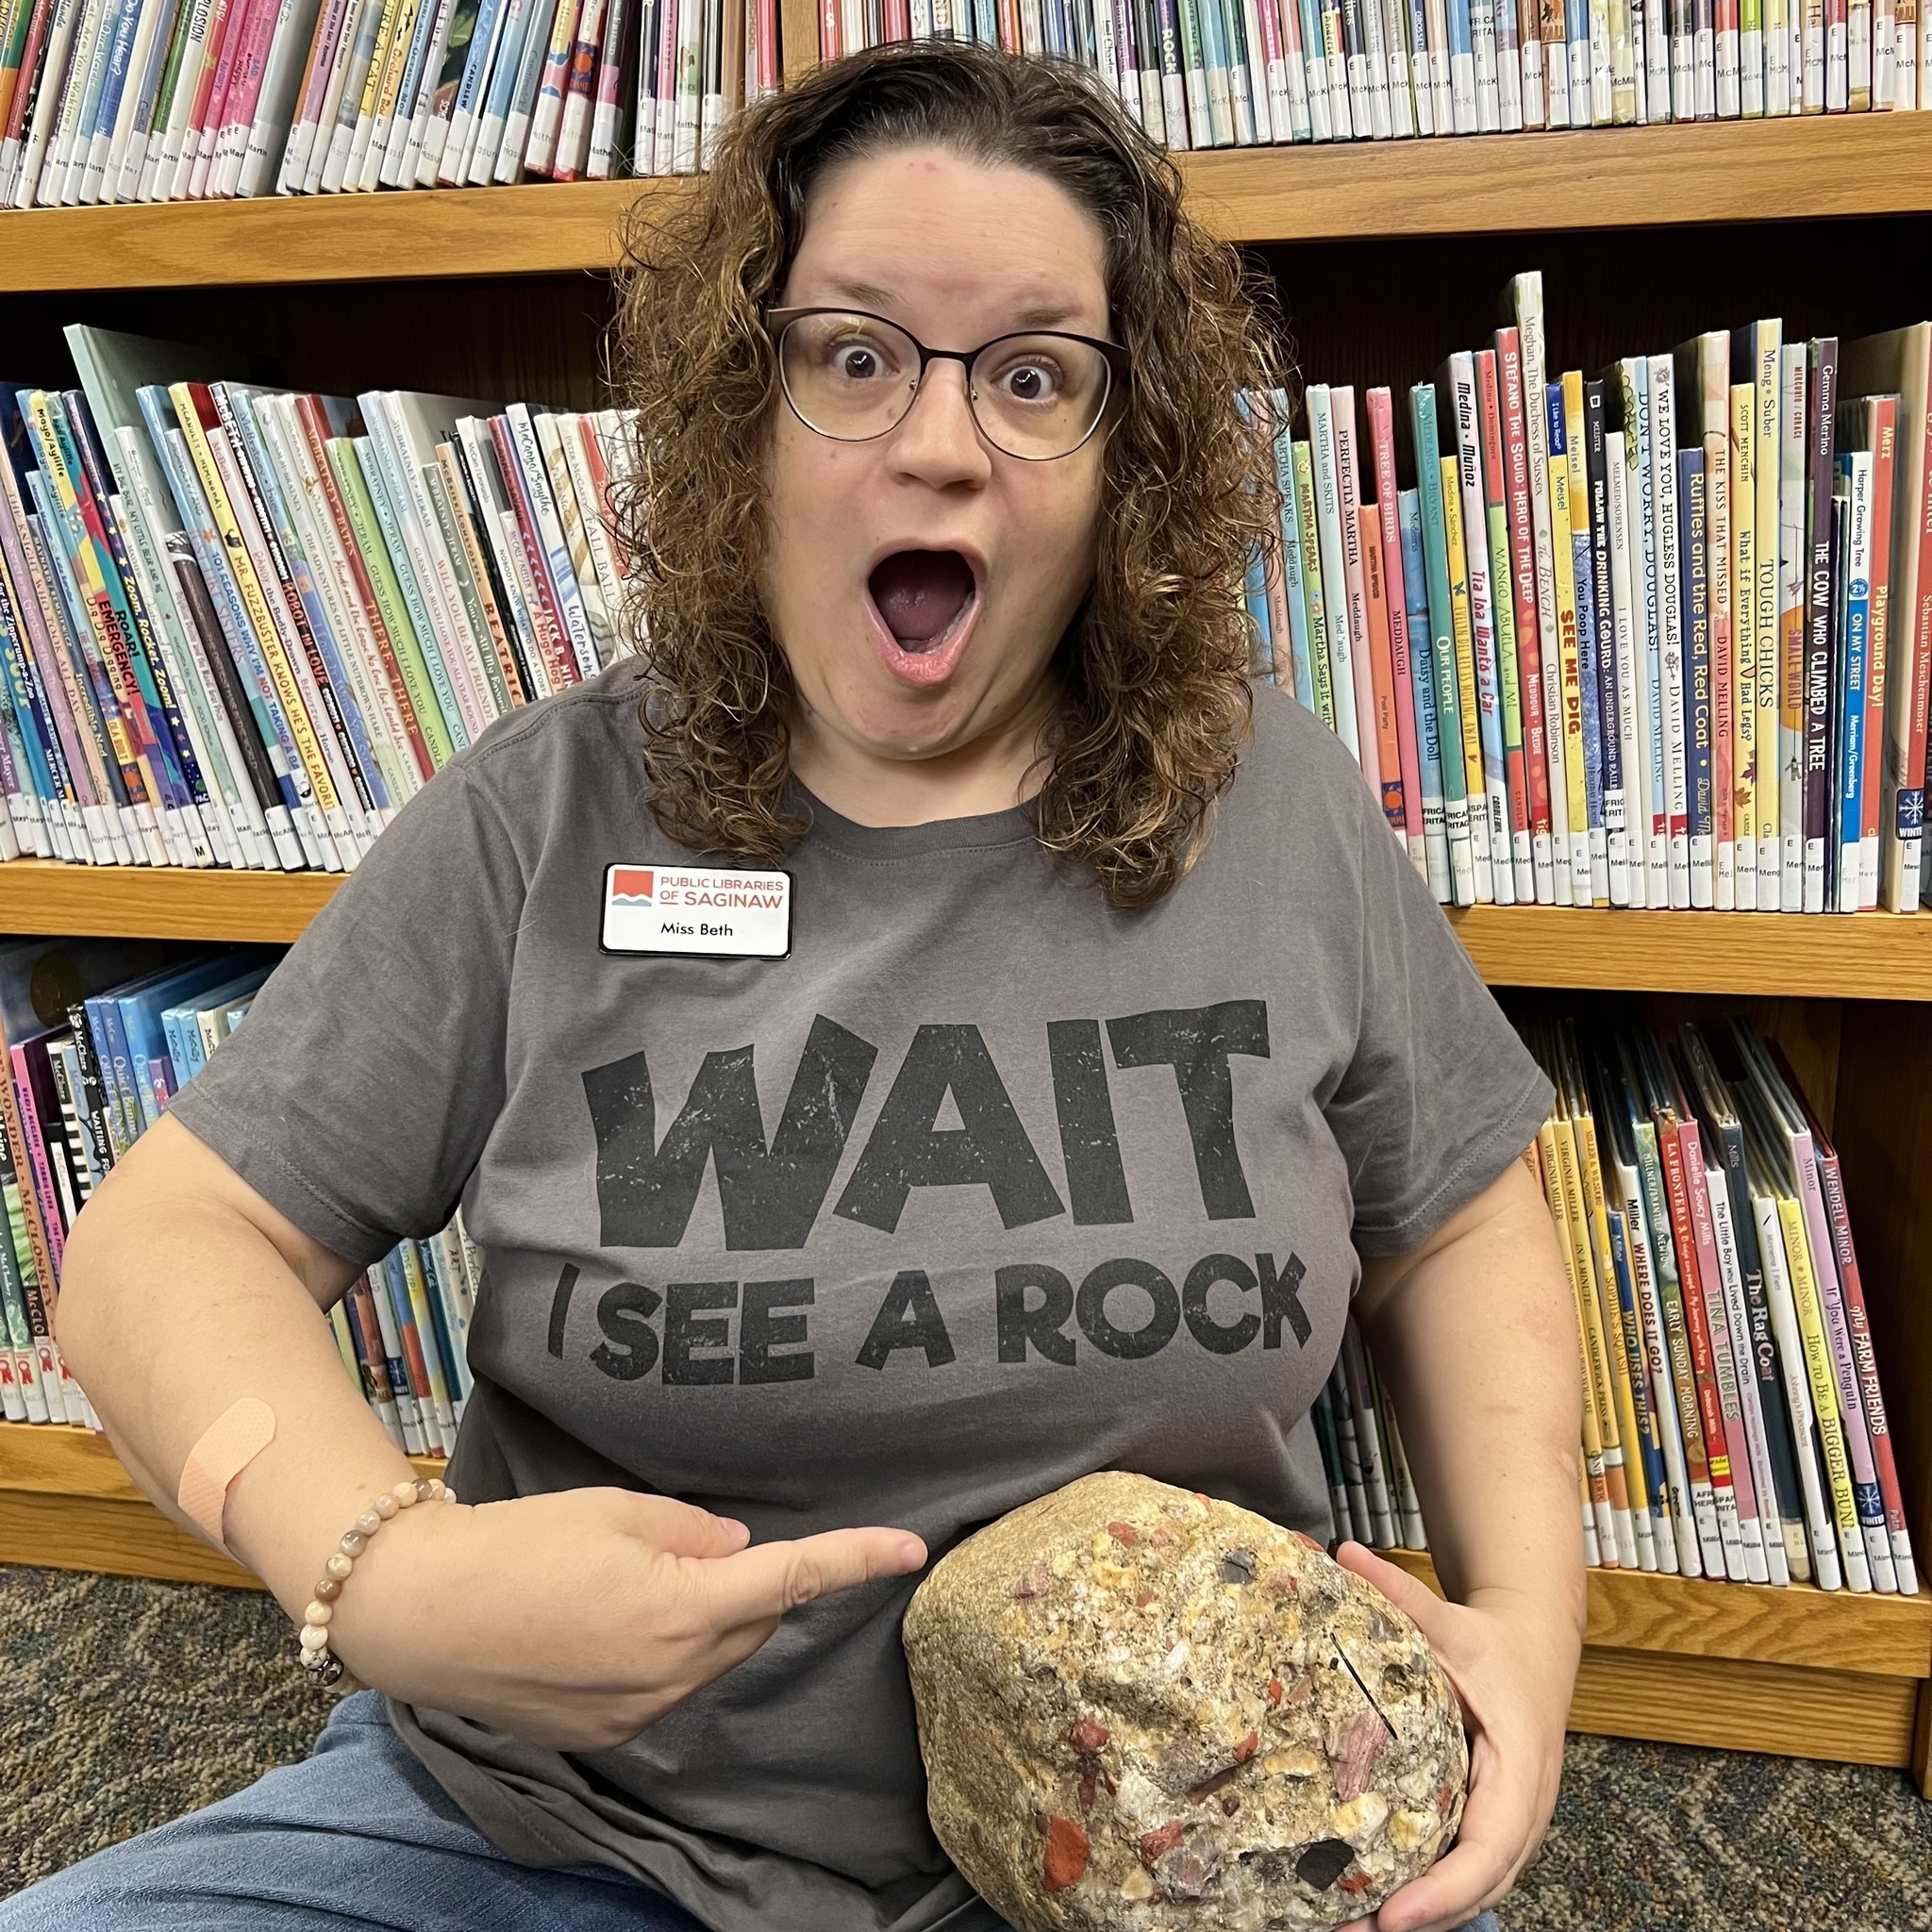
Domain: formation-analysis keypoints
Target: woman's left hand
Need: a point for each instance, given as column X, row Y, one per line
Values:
column 1513, row 1662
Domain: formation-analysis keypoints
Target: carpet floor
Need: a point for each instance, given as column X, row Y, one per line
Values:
column 124, row 1704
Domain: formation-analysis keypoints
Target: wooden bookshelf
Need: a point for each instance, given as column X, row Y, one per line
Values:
column 40, row 896
column 1702, row 174
column 1387, row 255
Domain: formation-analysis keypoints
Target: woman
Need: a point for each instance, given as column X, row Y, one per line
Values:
column 829, row 1221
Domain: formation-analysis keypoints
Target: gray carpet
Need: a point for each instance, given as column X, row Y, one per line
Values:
column 123, row 1703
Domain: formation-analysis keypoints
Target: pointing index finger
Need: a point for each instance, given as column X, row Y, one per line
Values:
column 760, row 1584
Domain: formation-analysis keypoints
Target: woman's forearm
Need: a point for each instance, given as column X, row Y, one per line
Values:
column 1476, row 1337
column 182, row 1291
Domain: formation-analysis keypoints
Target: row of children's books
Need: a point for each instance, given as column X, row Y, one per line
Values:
column 1224, row 73
column 98, row 1037
column 1660, row 636
column 1733, row 1424
column 242, row 627
column 190, row 100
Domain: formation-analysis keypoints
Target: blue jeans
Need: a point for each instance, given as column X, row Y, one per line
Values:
column 359, row 1835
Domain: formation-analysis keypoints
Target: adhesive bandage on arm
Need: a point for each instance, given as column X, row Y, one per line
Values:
column 228, row 1446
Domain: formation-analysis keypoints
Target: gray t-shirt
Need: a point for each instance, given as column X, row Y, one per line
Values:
column 985, row 1187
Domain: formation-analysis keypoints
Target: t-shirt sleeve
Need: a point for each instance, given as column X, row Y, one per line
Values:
column 1440, row 1094
column 358, row 1093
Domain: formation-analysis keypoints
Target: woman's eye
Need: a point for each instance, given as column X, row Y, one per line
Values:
column 1030, row 382
column 857, row 361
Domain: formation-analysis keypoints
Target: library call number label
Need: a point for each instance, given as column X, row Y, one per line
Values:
column 697, row 911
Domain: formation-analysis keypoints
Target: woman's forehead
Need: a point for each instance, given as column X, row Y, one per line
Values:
column 931, row 227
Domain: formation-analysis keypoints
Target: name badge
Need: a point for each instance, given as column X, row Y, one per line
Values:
column 698, row 911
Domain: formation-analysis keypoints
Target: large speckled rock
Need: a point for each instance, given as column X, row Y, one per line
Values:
column 1142, row 1711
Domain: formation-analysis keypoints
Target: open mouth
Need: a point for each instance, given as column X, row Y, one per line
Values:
column 925, row 600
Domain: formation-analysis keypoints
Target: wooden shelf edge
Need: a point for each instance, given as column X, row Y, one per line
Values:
column 1797, row 1626
column 534, row 228
column 1604, row 178
column 1618, row 177
column 41, row 895
column 1880, row 956
column 1869, row 956
column 1725, row 1704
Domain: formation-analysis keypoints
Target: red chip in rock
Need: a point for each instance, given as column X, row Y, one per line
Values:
column 1284, row 1582
column 1275, row 1690
column 1124, row 1534
column 1308, row 1538
column 1247, row 1748
column 1161, row 1539
column 1066, row 1853
column 1036, row 1582
column 1087, row 1736
column 1144, row 1598
column 1361, row 1744
column 1357, row 1882
column 1153, row 1843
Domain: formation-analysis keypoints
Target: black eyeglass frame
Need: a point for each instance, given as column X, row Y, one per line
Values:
column 1118, row 367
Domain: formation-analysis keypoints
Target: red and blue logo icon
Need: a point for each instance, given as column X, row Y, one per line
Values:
column 632, row 885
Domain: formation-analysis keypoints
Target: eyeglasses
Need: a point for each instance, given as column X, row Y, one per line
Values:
column 851, row 377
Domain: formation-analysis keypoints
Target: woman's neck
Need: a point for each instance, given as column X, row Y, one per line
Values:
column 996, row 771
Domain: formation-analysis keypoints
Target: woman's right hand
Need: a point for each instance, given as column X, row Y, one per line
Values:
column 574, row 1620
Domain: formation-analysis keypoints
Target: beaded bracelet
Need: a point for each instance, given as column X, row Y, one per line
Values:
column 317, row 1658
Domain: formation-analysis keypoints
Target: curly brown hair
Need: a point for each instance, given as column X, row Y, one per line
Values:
column 1154, row 670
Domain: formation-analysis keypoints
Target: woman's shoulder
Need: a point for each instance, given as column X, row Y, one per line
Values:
column 601, row 712
column 1294, row 777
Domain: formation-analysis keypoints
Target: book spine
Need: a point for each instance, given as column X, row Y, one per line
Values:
column 1717, row 578
column 1580, row 771
column 1824, row 1393
column 1559, row 1183
column 1704, row 1368
column 1522, row 581
column 1482, row 624
column 1502, row 616
column 1854, row 593
column 1427, row 718
column 1387, row 510
column 1882, row 435
column 1527, row 303
column 1742, row 503
column 1596, row 765
column 1603, row 646
column 1822, row 409
column 1693, row 550
column 1678, row 1552
column 1865, row 1360
column 1442, row 644
column 1629, row 727
column 1725, row 1362
column 1794, row 1373
column 1468, row 703
column 1664, row 444
column 1793, row 575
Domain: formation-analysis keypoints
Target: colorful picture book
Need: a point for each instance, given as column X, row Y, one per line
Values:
column 1200, row 74
column 192, row 100
column 242, row 626
column 1659, row 636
